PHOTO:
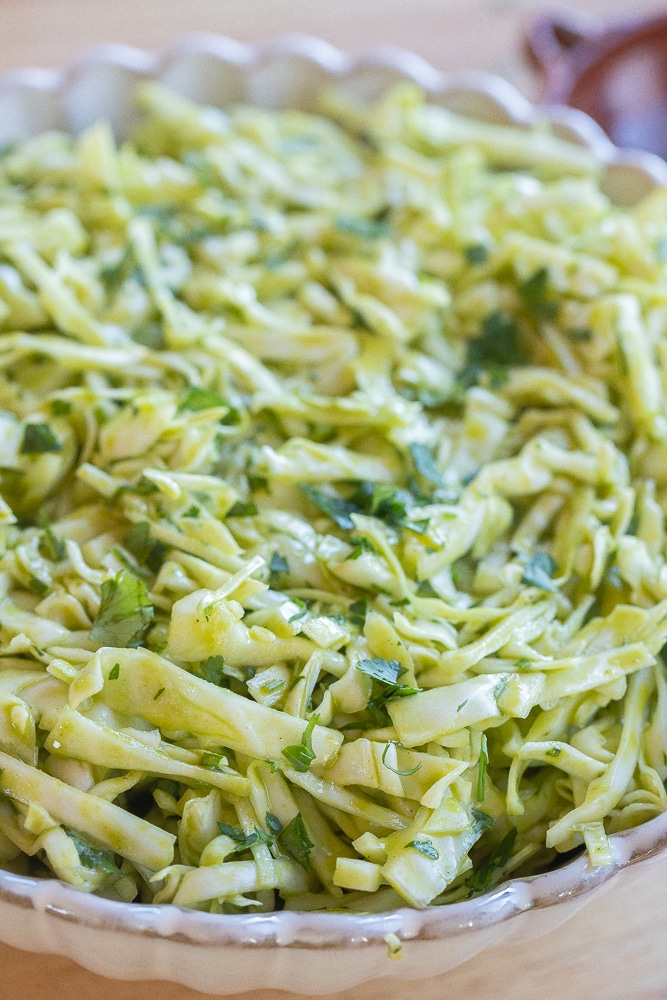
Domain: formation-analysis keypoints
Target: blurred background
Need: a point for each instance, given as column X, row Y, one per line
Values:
column 451, row 34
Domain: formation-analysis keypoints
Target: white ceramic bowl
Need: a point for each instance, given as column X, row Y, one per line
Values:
column 314, row 953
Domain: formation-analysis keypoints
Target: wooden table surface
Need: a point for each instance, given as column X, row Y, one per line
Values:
column 453, row 35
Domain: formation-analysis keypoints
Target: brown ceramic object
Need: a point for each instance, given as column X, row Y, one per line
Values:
column 616, row 73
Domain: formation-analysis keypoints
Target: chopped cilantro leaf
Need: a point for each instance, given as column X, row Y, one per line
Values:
column 426, row 848
column 143, row 488
column 37, row 586
column 580, row 335
column 295, row 841
column 197, row 399
column 422, row 456
column 402, row 774
column 235, row 832
column 535, row 293
column 114, row 673
column 146, row 551
column 386, row 673
column 277, row 566
column 241, row 509
column 149, row 335
column 481, row 879
column 302, row 755
column 499, row 341
column 539, row 570
column 125, row 612
column 476, row 254
column 93, row 857
column 116, row 274
column 481, row 821
column 361, row 545
column 333, row 506
column 357, row 612
column 169, row 786
column 244, row 840
column 367, row 229
column 273, row 823
column 385, row 502
column 133, row 567
column 60, row 407
column 53, row 547
column 213, row 670
column 39, row 439
column 303, row 610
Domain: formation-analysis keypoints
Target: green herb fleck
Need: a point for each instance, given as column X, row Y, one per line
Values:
column 158, row 694
column 114, row 673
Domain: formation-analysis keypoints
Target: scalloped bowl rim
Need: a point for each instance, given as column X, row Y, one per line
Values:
column 317, row 930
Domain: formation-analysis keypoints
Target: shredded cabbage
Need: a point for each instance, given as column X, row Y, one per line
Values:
column 332, row 513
